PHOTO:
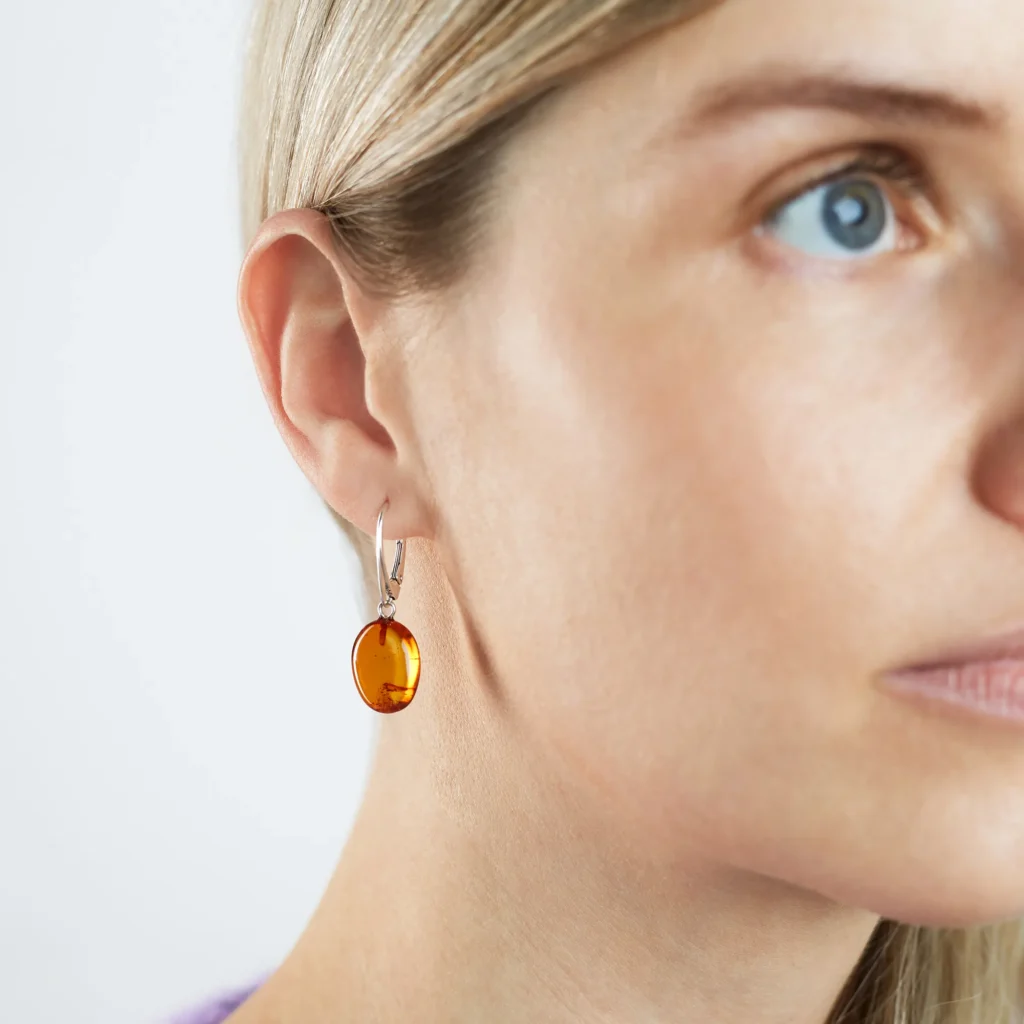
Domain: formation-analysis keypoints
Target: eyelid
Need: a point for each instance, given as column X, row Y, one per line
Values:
column 897, row 167
column 912, row 193
column 890, row 168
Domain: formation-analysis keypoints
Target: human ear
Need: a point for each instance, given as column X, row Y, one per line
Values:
column 310, row 328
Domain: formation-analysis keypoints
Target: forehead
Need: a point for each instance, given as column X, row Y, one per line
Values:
column 970, row 51
column 977, row 43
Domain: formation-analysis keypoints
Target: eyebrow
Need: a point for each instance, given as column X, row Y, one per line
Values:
column 883, row 101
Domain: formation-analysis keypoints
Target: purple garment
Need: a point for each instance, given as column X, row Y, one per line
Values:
column 216, row 1010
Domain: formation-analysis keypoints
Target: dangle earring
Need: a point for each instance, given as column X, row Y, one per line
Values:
column 385, row 656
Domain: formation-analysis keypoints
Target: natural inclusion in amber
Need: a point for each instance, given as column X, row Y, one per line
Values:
column 386, row 665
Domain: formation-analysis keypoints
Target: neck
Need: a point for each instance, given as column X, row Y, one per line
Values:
column 477, row 885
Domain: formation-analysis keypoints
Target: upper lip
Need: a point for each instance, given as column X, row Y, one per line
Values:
column 990, row 648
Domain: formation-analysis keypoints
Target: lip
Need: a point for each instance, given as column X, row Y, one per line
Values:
column 1008, row 645
column 994, row 688
column 984, row 675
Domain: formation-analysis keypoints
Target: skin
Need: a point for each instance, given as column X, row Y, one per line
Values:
column 677, row 495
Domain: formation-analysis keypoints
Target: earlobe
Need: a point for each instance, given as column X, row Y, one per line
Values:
column 308, row 325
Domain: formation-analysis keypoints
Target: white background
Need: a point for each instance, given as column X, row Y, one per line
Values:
column 182, row 749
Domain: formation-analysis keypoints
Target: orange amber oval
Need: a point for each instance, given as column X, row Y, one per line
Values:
column 386, row 665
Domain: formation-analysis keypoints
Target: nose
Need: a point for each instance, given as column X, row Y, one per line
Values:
column 999, row 472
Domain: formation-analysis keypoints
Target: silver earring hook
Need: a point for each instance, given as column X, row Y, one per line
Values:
column 390, row 584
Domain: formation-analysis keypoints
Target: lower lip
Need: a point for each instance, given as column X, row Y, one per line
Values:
column 992, row 688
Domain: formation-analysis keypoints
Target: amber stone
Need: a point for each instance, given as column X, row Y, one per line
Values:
column 386, row 665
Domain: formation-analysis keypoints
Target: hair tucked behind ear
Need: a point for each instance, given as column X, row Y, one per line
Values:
column 388, row 117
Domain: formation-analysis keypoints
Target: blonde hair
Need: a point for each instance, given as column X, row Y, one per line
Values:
column 387, row 117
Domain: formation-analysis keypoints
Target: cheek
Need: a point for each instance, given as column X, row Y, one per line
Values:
column 665, row 571
column 689, row 541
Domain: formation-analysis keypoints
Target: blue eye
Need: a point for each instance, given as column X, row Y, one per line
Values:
column 847, row 219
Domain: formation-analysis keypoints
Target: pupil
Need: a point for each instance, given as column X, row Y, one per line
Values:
column 856, row 214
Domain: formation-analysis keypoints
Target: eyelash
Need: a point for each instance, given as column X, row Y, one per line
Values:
column 888, row 163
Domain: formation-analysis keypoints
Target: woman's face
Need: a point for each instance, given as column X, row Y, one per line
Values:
column 728, row 420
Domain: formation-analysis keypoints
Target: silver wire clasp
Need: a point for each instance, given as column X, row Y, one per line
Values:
column 390, row 584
